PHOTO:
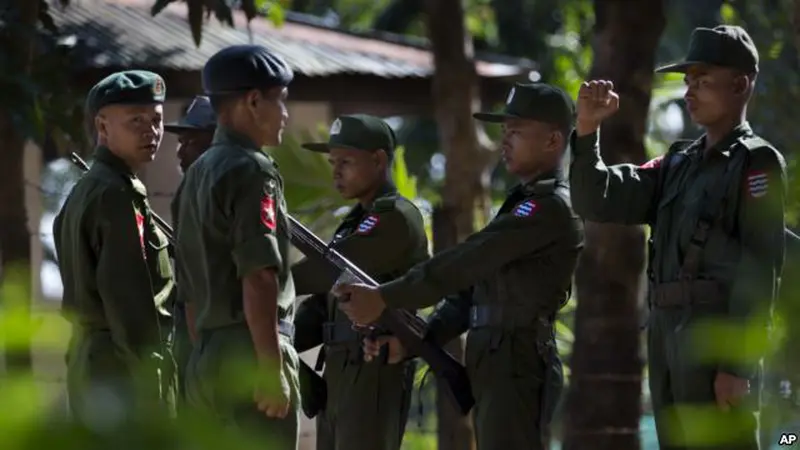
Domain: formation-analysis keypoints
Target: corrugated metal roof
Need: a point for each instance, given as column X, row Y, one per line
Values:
column 122, row 33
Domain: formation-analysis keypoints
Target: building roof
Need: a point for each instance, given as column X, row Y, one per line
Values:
column 122, row 33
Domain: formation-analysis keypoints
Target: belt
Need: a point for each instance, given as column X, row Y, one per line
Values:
column 285, row 327
column 684, row 293
column 482, row 316
column 339, row 332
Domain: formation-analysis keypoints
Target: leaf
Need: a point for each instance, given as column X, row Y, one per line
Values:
column 159, row 6
column 564, row 333
column 196, row 20
column 406, row 184
column 727, row 13
column 276, row 14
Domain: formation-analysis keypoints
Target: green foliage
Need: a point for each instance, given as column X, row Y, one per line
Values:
column 572, row 54
column 38, row 96
column 480, row 20
column 405, row 182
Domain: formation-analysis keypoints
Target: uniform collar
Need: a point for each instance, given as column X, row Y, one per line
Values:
column 224, row 135
column 545, row 183
column 725, row 144
column 106, row 156
column 386, row 189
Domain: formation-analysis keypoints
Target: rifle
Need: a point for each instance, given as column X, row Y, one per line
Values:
column 405, row 325
column 314, row 386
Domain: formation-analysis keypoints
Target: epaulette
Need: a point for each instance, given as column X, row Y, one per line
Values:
column 545, row 187
column 754, row 142
column 385, row 204
column 680, row 144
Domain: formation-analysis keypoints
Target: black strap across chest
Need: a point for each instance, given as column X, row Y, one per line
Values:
column 711, row 207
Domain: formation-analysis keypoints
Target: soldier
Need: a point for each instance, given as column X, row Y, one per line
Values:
column 195, row 131
column 716, row 207
column 519, row 269
column 233, row 254
column 384, row 234
column 114, row 262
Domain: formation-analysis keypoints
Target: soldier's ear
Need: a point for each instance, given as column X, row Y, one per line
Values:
column 252, row 98
column 382, row 158
column 741, row 84
column 101, row 126
column 556, row 140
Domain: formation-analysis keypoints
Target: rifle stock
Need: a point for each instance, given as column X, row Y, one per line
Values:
column 406, row 326
column 314, row 386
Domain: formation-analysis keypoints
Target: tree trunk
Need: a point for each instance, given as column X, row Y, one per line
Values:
column 604, row 398
column 796, row 23
column 15, row 239
column 454, row 432
column 456, row 98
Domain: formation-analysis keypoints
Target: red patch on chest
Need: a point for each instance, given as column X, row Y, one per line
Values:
column 140, row 228
column 268, row 218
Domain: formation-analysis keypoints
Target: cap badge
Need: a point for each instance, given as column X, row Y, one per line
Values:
column 336, row 127
column 511, row 95
column 158, row 87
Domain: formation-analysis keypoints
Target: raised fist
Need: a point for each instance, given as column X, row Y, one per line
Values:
column 596, row 101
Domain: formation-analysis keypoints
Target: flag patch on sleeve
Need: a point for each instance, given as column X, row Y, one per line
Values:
column 268, row 212
column 757, row 184
column 525, row 209
column 367, row 225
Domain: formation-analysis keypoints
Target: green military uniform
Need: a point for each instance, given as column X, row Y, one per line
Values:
column 368, row 403
column 717, row 246
column 117, row 277
column 233, row 223
column 199, row 116
column 519, row 271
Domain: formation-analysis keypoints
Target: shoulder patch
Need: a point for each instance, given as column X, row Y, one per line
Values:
column 368, row 224
column 525, row 209
column 754, row 142
column 757, row 183
column 268, row 218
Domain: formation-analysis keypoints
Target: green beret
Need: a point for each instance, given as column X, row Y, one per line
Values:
column 131, row 87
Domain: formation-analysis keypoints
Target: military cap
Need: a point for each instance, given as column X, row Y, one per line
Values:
column 199, row 116
column 358, row 132
column 239, row 68
column 131, row 87
column 724, row 46
column 535, row 101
